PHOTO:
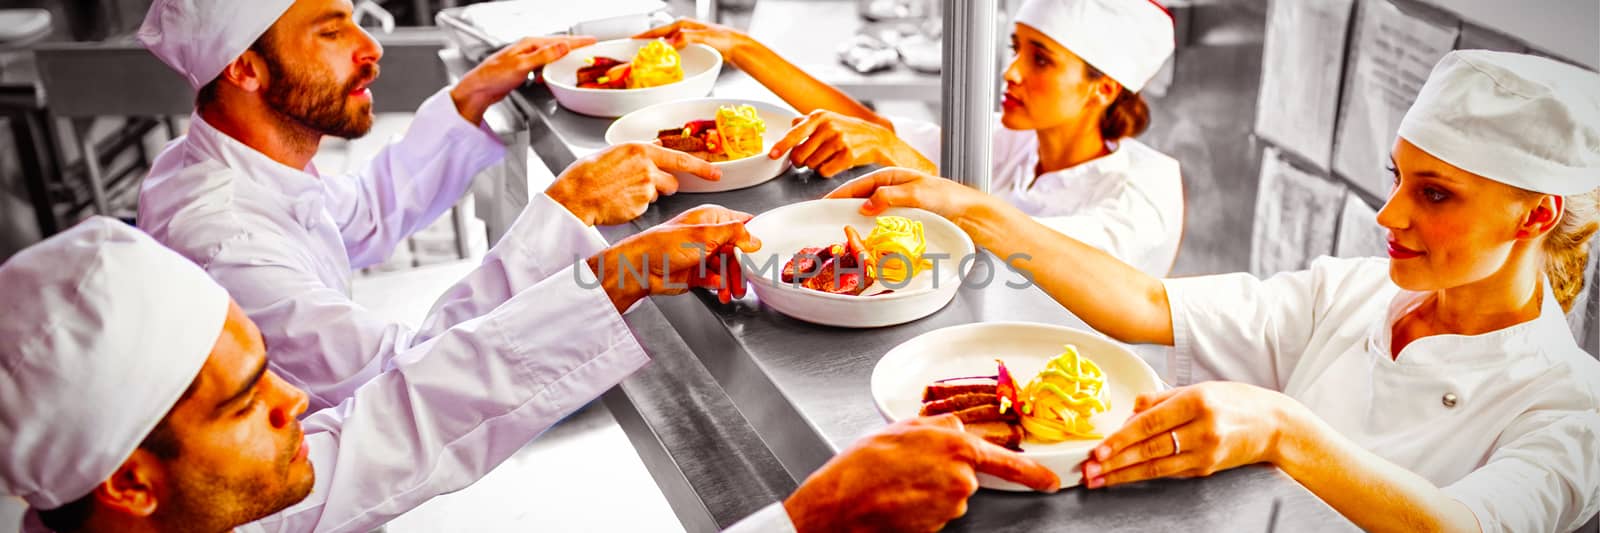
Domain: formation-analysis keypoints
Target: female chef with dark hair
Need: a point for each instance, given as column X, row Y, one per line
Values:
column 1064, row 147
column 1438, row 389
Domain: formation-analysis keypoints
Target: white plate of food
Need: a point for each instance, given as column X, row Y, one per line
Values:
column 809, row 269
column 734, row 135
column 614, row 78
column 1092, row 371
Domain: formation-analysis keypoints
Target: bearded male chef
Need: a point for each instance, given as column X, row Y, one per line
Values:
column 135, row 396
column 238, row 194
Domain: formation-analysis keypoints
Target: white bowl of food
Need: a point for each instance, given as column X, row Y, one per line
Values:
column 695, row 123
column 622, row 93
column 968, row 353
column 826, row 290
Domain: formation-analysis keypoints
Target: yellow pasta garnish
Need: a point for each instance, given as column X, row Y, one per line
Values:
column 902, row 237
column 1057, row 403
column 742, row 131
column 656, row 63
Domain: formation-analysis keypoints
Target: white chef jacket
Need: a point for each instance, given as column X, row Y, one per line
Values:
column 283, row 241
column 457, row 405
column 1128, row 203
column 1506, row 422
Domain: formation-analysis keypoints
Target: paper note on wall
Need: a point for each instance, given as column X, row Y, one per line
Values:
column 1394, row 52
column 1301, row 70
column 1359, row 232
column 1296, row 213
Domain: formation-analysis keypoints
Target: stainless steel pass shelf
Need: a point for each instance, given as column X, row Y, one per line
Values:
column 742, row 403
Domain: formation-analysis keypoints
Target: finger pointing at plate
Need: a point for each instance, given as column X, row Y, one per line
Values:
column 619, row 183
column 990, row 459
column 675, row 161
column 914, row 475
column 1011, row 466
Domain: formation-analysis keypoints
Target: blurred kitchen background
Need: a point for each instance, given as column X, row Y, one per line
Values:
column 1280, row 112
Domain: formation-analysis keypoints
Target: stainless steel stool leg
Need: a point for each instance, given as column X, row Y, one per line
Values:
column 91, row 165
column 31, row 137
column 458, row 220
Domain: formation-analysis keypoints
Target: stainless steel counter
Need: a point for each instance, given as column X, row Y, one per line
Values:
column 742, row 403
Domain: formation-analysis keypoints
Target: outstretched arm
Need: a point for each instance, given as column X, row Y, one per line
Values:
column 837, row 132
column 1108, row 294
column 802, row 91
column 1203, row 429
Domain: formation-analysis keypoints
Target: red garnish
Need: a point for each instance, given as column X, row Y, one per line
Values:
column 697, row 126
column 1005, row 386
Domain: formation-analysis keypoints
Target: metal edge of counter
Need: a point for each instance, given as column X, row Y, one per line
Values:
column 798, row 448
column 704, row 494
column 755, row 399
column 791, row 437
column 674, row 405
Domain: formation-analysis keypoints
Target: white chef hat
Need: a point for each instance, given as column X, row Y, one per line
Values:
column 198, row 38
column 1128, row 40
column 104, row 330
column 1522, row 120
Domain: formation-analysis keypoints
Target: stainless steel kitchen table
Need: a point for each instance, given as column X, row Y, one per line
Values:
column 741, row 403
column 802, row 389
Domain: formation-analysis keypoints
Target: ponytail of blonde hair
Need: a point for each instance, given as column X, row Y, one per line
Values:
column 1566, row 247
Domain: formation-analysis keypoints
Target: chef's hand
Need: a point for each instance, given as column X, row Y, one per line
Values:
column 619, row 183
column 686, row 31
column 693, row 250
column 915, row 475
column 830, row 143
column 900, row 187
column 508, row 69
column 1219, row 425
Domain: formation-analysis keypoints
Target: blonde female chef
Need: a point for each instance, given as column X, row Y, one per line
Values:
column 1063, row 149
column 1437, row 389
